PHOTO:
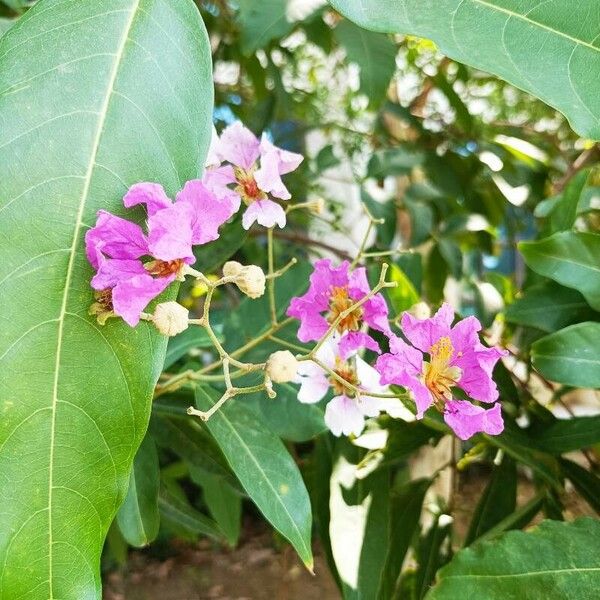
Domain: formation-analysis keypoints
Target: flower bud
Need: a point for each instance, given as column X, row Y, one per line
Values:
column 282, row 366
column 170, row 318
column 250, row 279
column 420, row 310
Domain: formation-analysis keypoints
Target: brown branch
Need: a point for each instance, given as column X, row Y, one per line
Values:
column 582, row 161
column 299, row 238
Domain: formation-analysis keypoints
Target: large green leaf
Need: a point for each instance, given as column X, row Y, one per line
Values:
column 569, row 435
column 549, row 307
column 549, row 49
column 264, row 468
column 555, row 560
column 138, row 517
column 571, row 258
column 570, row 355
column 374, row 53
column 94, row 96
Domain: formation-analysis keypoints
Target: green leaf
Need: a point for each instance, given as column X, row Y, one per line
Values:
column 180, row 517
column 393, row 161
column 180, row 345
column 541, row 48
column 497, row 501
column 586, row 483
column 564, row 212
column 569, row 435
column 374, row 53
column 95, row 96
column 138, row 517
column 570, row 356
column 264, row 468
column 554, row 560
column 5, row 25
column 405, row 512
column 431, row 555
column 404, row 295
column 286, row 416
column 224, row 504
column 571, row 258
column 549, row 307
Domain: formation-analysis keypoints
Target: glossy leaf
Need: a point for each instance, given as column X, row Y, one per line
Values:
column 558, row 560
column 569, row 435
column 94, row 96
column 374, row 53
column 587, row 484
column 564, row 212
column 571, row 258
column 570, row 356
column 497, row 501
column 546, row 48
column 138, row 517
column 549, row 307
column 264, row 468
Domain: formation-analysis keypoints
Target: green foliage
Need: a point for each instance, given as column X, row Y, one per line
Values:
column 560, row 559
column 72, row 75
column 534, row 48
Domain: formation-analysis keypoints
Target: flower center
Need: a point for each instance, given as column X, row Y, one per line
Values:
column 347, row 372
column 339, row 303
column 164, row 268
column 102, row 308
column 439, row 376
column 247, row 186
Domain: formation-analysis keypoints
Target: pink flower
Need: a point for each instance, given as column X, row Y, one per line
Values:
column 331, row 292
column 344, row 414
column 456, row 357
column 114, row 246
column 251, row 171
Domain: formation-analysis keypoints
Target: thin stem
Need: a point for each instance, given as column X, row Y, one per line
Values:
column 287, row 344
column 229, row 393
column 270, row 276
column 283, row 269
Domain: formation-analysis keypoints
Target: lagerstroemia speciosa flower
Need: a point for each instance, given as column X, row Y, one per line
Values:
column 115, row 247
column 345, row 413
column 246, row 169
column 456, row 357
column 332, row 291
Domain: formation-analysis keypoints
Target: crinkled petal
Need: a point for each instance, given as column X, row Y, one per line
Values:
column 264, row 212
column 313, row 387
column 369, row 406
column 218, row 180
column 151, row 194
column 115, row 237
column 343, row 416
column 208, row 212
column 288, row 161
column 466, row 419
column 355, row 340
column 112, row 271
column 268, row 177
column 423, row 333
column 239, row 146
column 375, row 314
column 369, row 378
column 170, row 233
column 130, row 297
column 476, row 377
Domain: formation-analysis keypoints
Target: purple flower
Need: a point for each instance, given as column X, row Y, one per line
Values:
column 456, row 357
column 114, row 246
column 331, row 292
column 251, row 171
column 345, row 413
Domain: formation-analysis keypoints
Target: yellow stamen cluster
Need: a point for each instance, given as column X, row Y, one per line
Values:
column 347, row 372
column 340, row 302
column 438, row 375
column 247, row 187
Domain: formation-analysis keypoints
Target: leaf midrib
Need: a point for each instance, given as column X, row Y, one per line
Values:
column 69, row 273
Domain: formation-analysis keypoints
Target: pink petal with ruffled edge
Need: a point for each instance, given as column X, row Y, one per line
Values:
column 151, row 194
column 114, row 237
column 239, row 146
column 355, row 340
column 466, row 419
column 170, row 233
column 112, row 271
column 287, row 161
column 264, row 212
column 423, row 333
column 208, row 212
column 343, row 416
column 131, row 296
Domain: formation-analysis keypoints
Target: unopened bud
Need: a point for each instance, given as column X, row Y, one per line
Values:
column 420, row 310
column 282, row 366
column 170, row 318
column 250, row 279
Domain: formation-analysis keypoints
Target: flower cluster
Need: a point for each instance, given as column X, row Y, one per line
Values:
column 243, row 168
column 133, row 267
column 439, row 358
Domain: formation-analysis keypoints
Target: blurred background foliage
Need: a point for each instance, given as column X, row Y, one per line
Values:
column 464, row 167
